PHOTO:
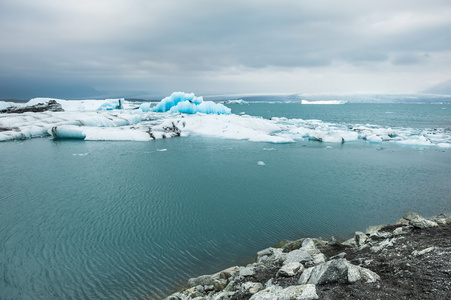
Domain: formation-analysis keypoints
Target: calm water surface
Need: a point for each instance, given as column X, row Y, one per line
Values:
column 125, row 220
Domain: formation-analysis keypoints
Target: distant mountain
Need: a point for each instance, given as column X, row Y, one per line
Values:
column 28, row 90
column 443, row 88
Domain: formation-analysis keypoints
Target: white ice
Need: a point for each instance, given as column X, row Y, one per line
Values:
column 102, row 120
column 324, row 102
column 85, row 105
column 5, row 105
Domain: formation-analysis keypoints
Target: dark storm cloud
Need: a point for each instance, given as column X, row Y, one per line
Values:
column 141, row 44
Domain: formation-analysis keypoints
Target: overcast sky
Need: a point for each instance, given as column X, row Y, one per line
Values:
column 226, row 47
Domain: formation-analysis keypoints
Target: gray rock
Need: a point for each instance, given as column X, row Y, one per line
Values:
column 195, row 295
column 229, row 272
column 338, row 270
column 423, row 223
column 299, row 292
column 353, row 273
column 298, row 255
column 331, row 271
column 208, row 288
column 265, row 252
column 402, row 230
column 175, row 296
column 402, row 222
column 251, row 287
column 332, row 241
column 290, row 269
column 308, row 244
column 383, row 235
column 350, row 242
column 220, row 284
column 373, row 230
column 223, row 295
column 339, row 255
column 246, row 271
column 368, row 276
column 381, row 245
column 319, row 259
column 271, row 254
column 360, row 238
column 409, row 216
column 441, row 219
column 422, row 252
column 294, row 245
column 201, row 280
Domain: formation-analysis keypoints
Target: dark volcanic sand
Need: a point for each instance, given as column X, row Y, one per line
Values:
column 403, row 276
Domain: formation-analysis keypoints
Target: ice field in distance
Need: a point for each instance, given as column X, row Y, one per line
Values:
column 184, row 114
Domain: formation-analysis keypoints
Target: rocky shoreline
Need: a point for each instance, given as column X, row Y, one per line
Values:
column 408, row 260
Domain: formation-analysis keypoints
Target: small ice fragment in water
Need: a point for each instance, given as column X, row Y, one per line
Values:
column 161, row 150
column 269, row 149
column 329, row 147
column 261, row 163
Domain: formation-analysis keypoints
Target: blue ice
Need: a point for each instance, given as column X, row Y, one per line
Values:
column 111, row 104
column 179, row 102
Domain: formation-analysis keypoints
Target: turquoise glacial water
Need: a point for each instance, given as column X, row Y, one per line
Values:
column 126, row 220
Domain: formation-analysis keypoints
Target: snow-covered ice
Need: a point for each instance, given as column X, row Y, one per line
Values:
column 187, row 115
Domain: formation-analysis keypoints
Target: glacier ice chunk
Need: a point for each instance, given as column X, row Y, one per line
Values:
column 179, row 102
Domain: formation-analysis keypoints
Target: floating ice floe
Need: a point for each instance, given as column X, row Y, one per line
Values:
column 324, row 102
column 5, row 105
column 188, row 115
column 85, row 105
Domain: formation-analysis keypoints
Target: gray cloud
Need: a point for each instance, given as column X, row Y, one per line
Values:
column 225, row 46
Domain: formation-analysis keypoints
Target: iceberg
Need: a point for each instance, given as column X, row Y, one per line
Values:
column 5, row 105
column 85, row 105
column 324, row 102
column 180, row 102
column 184, row 115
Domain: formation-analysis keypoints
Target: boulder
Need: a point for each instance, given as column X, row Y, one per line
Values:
column 318, row 259
column 201, row 280
column 294, row 245
column 308, row 244
column 229, row 272
column 373, row 230
column 350, row 242
column 299, row 292
column 223, row 295
column 441, row 219
column 271, row 254
column 251, row 287
column 337, row 270
column 409, row 216
column 402, row 222
column 360, row 238
column 298, row 255
column 423, row 223
column 402, row 230
column 246, row 271
column 290, row 269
